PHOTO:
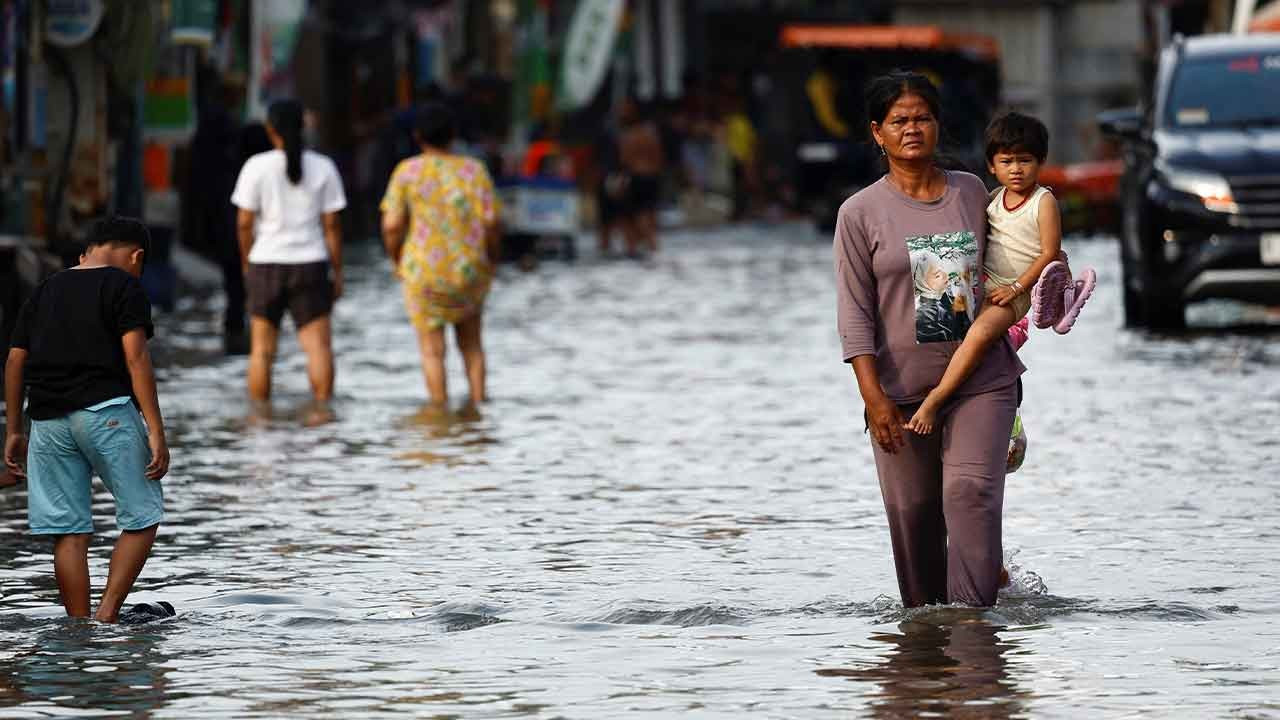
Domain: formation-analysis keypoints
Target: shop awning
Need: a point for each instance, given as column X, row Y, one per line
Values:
column 1266, row 20
column 909, row 37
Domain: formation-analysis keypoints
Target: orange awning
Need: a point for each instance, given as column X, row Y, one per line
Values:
column 1267, row 19
column 921, row 37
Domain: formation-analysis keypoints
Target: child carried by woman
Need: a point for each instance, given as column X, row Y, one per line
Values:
column 1026, row 271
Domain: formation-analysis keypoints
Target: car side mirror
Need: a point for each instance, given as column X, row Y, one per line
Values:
column 1125, row 123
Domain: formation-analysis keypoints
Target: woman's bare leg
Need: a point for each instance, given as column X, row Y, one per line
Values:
column 992, row 324
column 316, row 339
column 262, row 353
column 470, row 344
column 431, row 346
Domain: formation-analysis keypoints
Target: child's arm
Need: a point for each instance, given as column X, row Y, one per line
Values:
column 143, row 377
column 1050, row 224
column 15, row 444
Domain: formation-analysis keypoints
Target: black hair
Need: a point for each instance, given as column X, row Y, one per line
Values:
column 120, row 231
column 1014, row 132
column 285, row 117
column 435, row 125
column 882, row 92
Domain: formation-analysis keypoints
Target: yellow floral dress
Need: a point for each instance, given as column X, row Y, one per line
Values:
column 445, row 266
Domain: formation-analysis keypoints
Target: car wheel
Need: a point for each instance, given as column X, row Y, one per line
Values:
column 1155, row 306
column 1165, row 311
column 1148, row 302
column 1133, row 312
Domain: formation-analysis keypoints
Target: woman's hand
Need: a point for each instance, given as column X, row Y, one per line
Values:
column 337, row 284
column 885, row 423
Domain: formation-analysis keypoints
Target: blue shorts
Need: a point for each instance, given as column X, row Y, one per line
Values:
column 65, row 453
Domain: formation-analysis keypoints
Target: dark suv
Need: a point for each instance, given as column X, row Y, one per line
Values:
column 1201, row 188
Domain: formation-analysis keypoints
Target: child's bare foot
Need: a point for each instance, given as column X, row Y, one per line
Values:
column 922, row 421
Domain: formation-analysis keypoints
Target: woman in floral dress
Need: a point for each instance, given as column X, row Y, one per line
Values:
column 439, row 225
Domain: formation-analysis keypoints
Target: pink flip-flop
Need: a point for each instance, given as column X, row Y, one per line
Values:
column 1073, row 299
column 1047, row 296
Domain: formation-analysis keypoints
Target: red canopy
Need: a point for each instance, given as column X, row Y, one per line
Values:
column 921, row 37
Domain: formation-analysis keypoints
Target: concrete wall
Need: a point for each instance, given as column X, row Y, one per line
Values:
column 1062, row 61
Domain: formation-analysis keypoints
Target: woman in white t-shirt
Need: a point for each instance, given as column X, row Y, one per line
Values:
column 291, row 248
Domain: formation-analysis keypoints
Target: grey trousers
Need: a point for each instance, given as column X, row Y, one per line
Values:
column 944, row 496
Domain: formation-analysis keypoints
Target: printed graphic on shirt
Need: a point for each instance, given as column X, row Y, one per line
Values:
column 944, row 268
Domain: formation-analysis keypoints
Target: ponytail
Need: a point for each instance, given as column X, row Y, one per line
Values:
column 285, row 117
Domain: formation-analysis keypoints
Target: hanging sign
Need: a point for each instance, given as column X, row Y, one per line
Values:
column 589, row 49
column 68, row 23
column 194, row 22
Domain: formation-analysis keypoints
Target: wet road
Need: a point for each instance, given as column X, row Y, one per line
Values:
column 669, row 508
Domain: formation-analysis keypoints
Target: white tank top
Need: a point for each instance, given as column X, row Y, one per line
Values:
column 1013, row 237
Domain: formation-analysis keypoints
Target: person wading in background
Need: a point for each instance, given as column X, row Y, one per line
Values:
column 440, row 227
column 291, row 246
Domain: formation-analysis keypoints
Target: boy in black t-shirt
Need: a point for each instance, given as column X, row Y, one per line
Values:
column 80, row 347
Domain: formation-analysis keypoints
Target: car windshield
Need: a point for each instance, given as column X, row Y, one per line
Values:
column 1228, row 91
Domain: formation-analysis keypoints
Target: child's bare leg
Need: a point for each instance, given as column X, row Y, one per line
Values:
column 71, row 570
column 130, row 554
column 992, row 324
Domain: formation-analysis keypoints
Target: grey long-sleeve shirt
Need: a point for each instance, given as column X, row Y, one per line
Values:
column 908, row 283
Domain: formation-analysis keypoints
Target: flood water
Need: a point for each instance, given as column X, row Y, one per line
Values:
column 670, row 509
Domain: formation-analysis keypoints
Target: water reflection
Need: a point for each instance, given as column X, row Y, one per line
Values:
column 671, row 450
column 78, row 665
column 440, row 435
column 951, row 667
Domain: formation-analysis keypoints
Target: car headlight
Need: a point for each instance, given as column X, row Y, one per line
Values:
column 1212, row 189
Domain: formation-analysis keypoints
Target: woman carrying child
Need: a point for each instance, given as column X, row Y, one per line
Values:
column 944, row 492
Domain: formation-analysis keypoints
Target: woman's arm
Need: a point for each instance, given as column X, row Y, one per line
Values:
column 857, row 314
column 394, row 227
column 333, row 242
column 884, row 420
column 244, row 232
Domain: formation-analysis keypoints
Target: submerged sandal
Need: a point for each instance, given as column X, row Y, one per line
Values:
column 1073, row 299
column 1047, row 306
column 146, row 612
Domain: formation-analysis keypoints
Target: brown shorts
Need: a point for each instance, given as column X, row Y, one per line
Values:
column 303, row 289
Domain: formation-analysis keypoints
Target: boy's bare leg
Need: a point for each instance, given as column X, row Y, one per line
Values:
column 130, row 554
column 431, row 345
column 631, row 235
column 316, row 339
column 992, row 324
column 262, row 353
column 647, row 223
column 606, row 237
column 71, row 570
column 468, row 333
